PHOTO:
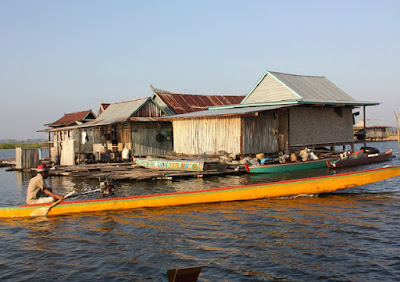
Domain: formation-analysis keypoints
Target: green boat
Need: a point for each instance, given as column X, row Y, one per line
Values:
column 287, row 167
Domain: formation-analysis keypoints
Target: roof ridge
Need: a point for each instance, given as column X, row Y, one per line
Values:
column 204, row 95
column 129, row 101
column 276, row 72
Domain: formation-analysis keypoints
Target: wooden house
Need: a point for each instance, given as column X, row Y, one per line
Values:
column 135, row 126
column 376, row 130
column 65, row 140
column 283, row 112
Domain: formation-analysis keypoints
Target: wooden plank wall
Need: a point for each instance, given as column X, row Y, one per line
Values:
column 210, row 135
column 144, row 141
column 26, row 158
column 67, row 151
column 269, row 90
column 260, row 133
column 320, row 125
column 86, row 148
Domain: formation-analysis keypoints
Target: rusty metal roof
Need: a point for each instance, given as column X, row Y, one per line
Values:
column 73, row 118
column 187, row 103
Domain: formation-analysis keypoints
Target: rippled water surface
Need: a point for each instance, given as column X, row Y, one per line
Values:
column 348, row 235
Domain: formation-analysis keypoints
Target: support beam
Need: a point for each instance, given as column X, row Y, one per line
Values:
column 365, row 128
column 398, row 127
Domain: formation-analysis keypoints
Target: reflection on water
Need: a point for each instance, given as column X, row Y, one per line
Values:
column 347, row 235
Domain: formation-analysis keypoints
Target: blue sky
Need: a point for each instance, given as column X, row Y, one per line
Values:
column 60, row 57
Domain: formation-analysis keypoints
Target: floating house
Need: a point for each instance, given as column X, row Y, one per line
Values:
column 283, row 112
column 134, row 128
column 376, row 130
column 65, row 138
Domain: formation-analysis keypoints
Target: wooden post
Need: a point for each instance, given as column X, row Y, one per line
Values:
column 49, row 146
column 397, row 115
column 365, row 128
column 79, row 145
column 58, row 135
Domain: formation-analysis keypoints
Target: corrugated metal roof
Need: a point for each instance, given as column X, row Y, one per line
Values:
column 118, row 112
column 228, row 112
column 145, row 119
column 187, row 103
column 91, row 124
column 73, row 118
column 312, row 89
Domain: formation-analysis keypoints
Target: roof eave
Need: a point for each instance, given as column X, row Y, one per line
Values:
column 340, row 103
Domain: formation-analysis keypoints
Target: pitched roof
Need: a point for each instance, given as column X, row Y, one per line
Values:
column 73, row 119
column 172, row 103
column 275, row 87
column 118, row 112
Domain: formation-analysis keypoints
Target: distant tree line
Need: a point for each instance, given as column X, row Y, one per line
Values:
column 26, row 144
column 39, row 140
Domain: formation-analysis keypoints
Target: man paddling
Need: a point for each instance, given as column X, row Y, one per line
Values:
column 38, row 192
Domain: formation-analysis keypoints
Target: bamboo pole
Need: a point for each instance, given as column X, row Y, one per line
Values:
column 365, row 127
column 398, row 127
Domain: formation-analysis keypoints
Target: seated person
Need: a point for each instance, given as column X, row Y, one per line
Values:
column 38, row 192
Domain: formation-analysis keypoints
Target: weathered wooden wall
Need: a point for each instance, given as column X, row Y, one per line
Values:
column 26, row 158
column 283, row 131
column 139, row 138
column 67, row 151
column 320, row 125
column 85, row 147
column 149, row 109
column 111, row 138
column 144, row 139
column 260, row 133
column 196, row 136
column 269, row 90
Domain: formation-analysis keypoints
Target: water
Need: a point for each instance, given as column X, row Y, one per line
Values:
column 10, row 153
column 348, row 235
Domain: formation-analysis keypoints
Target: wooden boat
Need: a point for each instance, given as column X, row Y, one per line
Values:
column 360, row 159
column 164, row 164
column 315, row 185
column 289, row 166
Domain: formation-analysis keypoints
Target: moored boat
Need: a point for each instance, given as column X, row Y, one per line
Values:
column 289, row 166
column 165, row 164
column 359, row 158
column 315, row 185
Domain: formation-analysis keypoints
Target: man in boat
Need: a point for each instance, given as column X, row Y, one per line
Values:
column 38, row 192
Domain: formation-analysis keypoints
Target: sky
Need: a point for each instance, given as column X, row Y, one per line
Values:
column 60, row 57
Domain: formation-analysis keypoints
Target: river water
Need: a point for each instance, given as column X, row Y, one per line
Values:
column 348, row 235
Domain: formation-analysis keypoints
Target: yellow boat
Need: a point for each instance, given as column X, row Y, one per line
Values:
column 315, row 185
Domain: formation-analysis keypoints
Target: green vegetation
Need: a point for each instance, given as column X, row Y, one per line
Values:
column 23, row 145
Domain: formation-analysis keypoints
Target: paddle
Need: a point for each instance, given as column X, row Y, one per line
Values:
column 43, row 211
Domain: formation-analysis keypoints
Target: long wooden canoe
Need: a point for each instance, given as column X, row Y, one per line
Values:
column 289, row 166
column 315, row 185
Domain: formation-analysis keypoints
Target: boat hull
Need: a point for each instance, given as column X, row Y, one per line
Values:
column 365, row 159
column 315, row 185
column 288, row 167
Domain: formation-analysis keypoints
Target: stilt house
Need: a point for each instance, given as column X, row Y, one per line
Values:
column 65, row 140
column 376, row 130
column 135, row 126
column 283, row 112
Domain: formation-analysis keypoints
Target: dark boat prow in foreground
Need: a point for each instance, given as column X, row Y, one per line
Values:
column 314, row 185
